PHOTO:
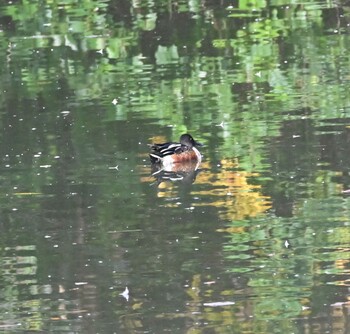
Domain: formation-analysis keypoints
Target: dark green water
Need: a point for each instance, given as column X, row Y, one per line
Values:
column 256, row 240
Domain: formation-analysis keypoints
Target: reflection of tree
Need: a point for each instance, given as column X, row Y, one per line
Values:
column 303, row 162
column 18, row 277
column 191, row 64
column 231, row 193
column 228, row 191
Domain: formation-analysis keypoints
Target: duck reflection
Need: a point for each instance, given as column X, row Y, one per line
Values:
column 185, row 172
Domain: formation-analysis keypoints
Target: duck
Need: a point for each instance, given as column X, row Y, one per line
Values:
column 168, row 154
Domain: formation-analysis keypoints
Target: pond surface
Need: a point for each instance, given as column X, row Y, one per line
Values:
column 255, row 239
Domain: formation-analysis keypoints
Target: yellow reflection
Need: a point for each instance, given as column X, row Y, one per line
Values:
column 231, row 192
column 228, row 190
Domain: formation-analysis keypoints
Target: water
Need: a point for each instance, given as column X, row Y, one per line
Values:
column 253, row 240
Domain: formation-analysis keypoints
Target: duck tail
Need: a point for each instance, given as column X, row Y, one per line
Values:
column 155, row 158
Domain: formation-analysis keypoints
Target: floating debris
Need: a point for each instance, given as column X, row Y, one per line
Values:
column 80, row 283
column 217, row 304
column 125, row 293
column 221, row 125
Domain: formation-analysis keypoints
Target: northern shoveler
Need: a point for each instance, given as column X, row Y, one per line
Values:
column 170, row 153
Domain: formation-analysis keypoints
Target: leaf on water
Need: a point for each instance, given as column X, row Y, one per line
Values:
column 125, row 293
column 217, row 304
column 80, row 283
column 209, row 282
